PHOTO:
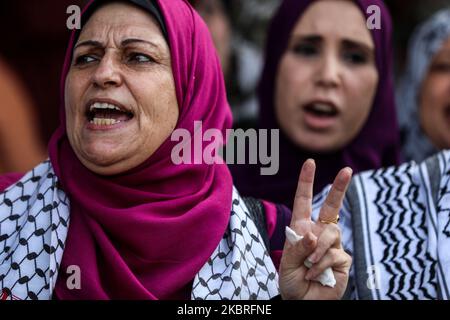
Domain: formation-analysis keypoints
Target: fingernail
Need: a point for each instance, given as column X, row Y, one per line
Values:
column 312, row 258
column 308, row 263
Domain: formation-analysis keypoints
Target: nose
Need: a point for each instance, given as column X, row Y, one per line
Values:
column 328, row 73
column 107, row 73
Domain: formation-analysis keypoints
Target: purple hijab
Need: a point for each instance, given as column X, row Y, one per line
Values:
column 377, row 144
column 145, row 234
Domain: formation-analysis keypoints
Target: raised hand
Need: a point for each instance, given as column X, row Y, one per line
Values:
column 321, row 243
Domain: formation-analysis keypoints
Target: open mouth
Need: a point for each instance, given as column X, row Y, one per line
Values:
column 320, row 116
column 447, row 112
column 321, row 110
column 107, row 114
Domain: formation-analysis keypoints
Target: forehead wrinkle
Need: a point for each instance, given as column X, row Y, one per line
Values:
column 357, row 32
column 116, row 36
column 123, row 23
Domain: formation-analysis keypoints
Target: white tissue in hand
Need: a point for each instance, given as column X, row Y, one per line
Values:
column 327, row 277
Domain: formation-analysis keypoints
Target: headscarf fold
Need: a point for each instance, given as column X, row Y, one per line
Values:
column 145, row 233
column 376, row 145
column 426, row 41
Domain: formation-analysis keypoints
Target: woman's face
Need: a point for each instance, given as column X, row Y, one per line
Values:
column 434, row 106
column 120, row 95
column 213, row 12
column 327, row 78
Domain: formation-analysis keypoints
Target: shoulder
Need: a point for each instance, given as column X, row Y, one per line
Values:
column 391, row 181
column 42, row 169
column 270, row 218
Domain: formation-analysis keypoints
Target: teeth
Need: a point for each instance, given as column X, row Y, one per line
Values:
column 104, row 122
column 323, row 107
column 99, row 105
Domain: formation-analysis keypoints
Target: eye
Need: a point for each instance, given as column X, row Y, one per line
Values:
column 441, row 67
column 305, row 49
column 140, row 58
column 85, row 59
column 356, row 58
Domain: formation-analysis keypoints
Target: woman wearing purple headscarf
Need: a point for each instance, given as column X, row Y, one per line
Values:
column 111, row 214
column 328, row 85
column 395, row 221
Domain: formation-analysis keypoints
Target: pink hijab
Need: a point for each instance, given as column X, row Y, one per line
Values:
column 145, row 233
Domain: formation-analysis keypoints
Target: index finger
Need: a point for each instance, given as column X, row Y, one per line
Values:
column 304, row 194
column 335, row 197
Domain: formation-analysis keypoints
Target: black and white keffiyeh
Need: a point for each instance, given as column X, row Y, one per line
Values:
column 240, row 267
column 34, row 221
column 395, row 223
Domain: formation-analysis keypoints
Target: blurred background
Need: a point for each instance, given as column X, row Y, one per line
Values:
column 34, row 38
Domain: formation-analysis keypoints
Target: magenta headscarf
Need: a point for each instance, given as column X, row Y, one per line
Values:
column 145, row 234
column 377, row 144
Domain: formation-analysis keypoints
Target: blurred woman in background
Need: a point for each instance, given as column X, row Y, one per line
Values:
column 423, row 96
column 395, row 220
column 219, row 25
column 327, row 84
column 20, row 146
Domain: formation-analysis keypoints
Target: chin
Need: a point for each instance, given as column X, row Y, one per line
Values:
column 103, row 150
column 103, row 168
column 101, row 155
column 318, row 149
column 320, row 145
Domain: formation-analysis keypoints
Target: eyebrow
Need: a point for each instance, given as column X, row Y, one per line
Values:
column 349, row 43
column 357, row 44
column 98, row 44
column 308, row 38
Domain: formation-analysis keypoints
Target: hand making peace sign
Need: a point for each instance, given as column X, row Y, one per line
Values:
column 321, row 244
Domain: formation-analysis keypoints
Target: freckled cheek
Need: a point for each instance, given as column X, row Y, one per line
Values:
column 168, row 107
column 70, row 114
column 156, row 115
column 75, row 89
column 150, row 101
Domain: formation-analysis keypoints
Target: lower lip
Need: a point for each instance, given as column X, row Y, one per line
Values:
column 96, row 127
column 319, row 123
